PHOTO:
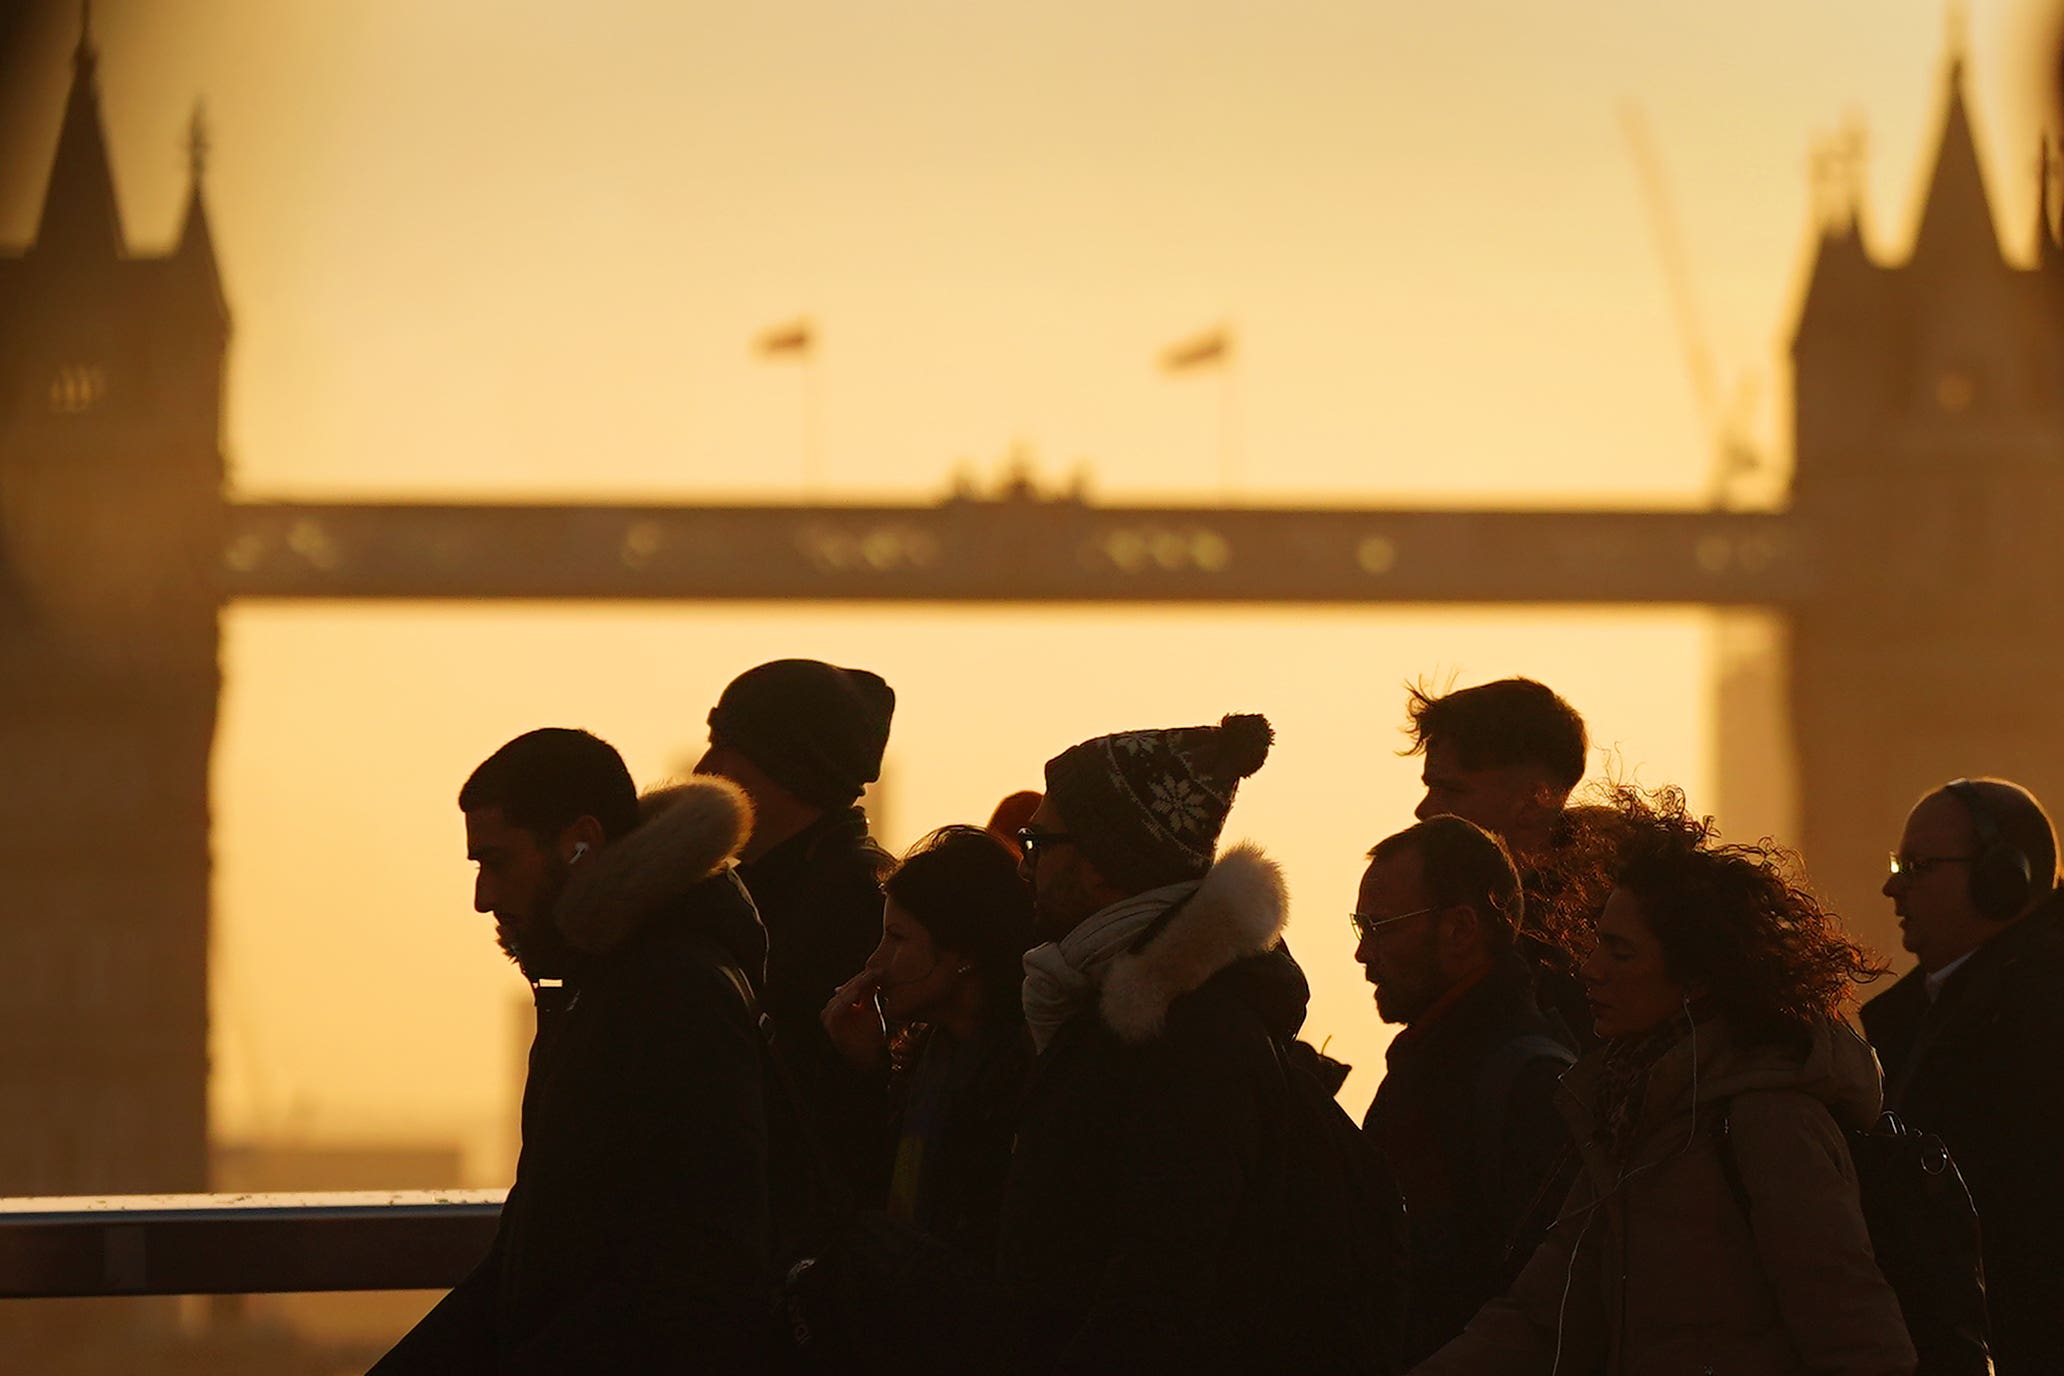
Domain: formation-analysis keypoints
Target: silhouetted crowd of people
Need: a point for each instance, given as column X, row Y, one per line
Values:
column 1032, row 1098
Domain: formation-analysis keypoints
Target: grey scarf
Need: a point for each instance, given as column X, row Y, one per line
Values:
column 1062, row 978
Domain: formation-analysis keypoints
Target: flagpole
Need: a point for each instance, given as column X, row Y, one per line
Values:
column 1229, row 424
column 1216, row 349
column 813, row 474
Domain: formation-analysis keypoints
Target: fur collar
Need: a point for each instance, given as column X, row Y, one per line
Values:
column 1238, row 911
column 688, row 832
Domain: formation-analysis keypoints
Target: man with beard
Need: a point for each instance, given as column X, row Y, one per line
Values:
column 1972, row 1037
column 635, row 1238
column 1465, row 1115
column 1155, row 1217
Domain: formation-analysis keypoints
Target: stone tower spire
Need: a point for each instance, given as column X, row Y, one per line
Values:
column 1956, row 215
column 80, row 218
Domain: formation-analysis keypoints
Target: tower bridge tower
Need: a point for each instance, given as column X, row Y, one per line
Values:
column 111, row 535
column 1929, row 428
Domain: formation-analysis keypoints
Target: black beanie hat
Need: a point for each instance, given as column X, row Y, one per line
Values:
column 818, row 730
column 1146, row 807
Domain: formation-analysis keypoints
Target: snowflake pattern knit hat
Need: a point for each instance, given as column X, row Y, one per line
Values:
column 1146, row 807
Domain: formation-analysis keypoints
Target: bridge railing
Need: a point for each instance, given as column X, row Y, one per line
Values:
column 221, row 1244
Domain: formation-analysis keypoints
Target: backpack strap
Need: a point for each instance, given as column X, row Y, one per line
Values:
column 825, row 1175
column 1495, row 1079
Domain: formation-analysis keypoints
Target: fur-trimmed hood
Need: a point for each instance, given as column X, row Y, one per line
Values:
column 1238, row 912
column 687, row 833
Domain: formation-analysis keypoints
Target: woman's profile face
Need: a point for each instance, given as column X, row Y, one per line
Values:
column 1625, row 977
column 917, row 978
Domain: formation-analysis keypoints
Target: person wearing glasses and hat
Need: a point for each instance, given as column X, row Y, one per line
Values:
column 1150, row 1221
column 1465, row 1115
column 1972, row 1039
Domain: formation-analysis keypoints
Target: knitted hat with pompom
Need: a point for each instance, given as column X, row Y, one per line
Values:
column 1146, row 807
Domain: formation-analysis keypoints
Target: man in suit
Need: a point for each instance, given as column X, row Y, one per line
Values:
column 1972, row 1038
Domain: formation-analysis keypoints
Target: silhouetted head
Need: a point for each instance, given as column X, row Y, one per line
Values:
column 801, row 737
column 1503, row 755
column 1136, row 811
column 1975, row 855
column 1013, row 813
column 1713, row 929
column 956, row 923
column 534, row 809
column 1438, row 905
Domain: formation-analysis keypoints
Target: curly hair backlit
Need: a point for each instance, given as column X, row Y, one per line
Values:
column 1736, row 919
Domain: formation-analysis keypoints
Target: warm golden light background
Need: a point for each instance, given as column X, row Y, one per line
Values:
column 490, row 248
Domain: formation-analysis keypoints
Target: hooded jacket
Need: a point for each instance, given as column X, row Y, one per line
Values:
column 635, row 1238
column 1979, row 1067
column 1654, row 1266
column 1133, row 1228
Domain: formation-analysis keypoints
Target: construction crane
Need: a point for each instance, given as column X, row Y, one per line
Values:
column 1726, row 414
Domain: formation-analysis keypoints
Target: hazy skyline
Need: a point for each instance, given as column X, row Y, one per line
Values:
column 514, row 249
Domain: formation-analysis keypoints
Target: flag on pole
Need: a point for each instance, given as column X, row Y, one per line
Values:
column 795, row 339
column 1211, row 349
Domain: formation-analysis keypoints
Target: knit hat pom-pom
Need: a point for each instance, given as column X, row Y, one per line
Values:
column 1243, row 742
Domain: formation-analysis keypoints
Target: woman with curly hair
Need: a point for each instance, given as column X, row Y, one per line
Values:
column 1716, row 986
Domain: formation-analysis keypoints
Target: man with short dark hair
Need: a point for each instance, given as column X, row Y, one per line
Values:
column 803, row 739
column 1973, row 1037
column 1506, row 755
column 1465, row 1114
column 636, row 1236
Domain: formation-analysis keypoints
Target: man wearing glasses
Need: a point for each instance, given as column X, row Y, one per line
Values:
column 1465, row 1114
column 1149, row 1222
column 1972, row 1039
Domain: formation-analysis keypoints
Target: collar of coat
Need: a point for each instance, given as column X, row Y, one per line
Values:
column 2027, row 954
column 1238, row 911
column 1835, row 1066
column 686, row 833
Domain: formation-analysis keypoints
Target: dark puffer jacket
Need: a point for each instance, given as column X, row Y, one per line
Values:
column 1983, row 1068
column 1142, row 1227
column 635, row 1238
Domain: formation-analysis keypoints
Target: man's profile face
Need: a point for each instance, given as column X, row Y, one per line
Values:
column 518, row 879
column 1938, row 921
column 1503, row 799
column 1399, row 957
column 1060, row 877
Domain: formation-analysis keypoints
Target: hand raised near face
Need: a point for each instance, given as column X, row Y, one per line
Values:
column 853, row 1021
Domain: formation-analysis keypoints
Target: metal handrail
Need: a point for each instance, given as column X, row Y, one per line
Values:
column 222, row 1244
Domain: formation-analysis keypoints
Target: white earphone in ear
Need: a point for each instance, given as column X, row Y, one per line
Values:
column 580, row 853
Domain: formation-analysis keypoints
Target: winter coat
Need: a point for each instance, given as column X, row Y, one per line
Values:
column 1657, row 1268
column 1466, row 1119
column 1983, row 1068
column 819, row 896
column 961, row 1174
column 1135, row 1226
column 635, row 1238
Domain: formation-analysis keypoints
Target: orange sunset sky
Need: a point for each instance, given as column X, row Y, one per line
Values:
column 499, row 248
